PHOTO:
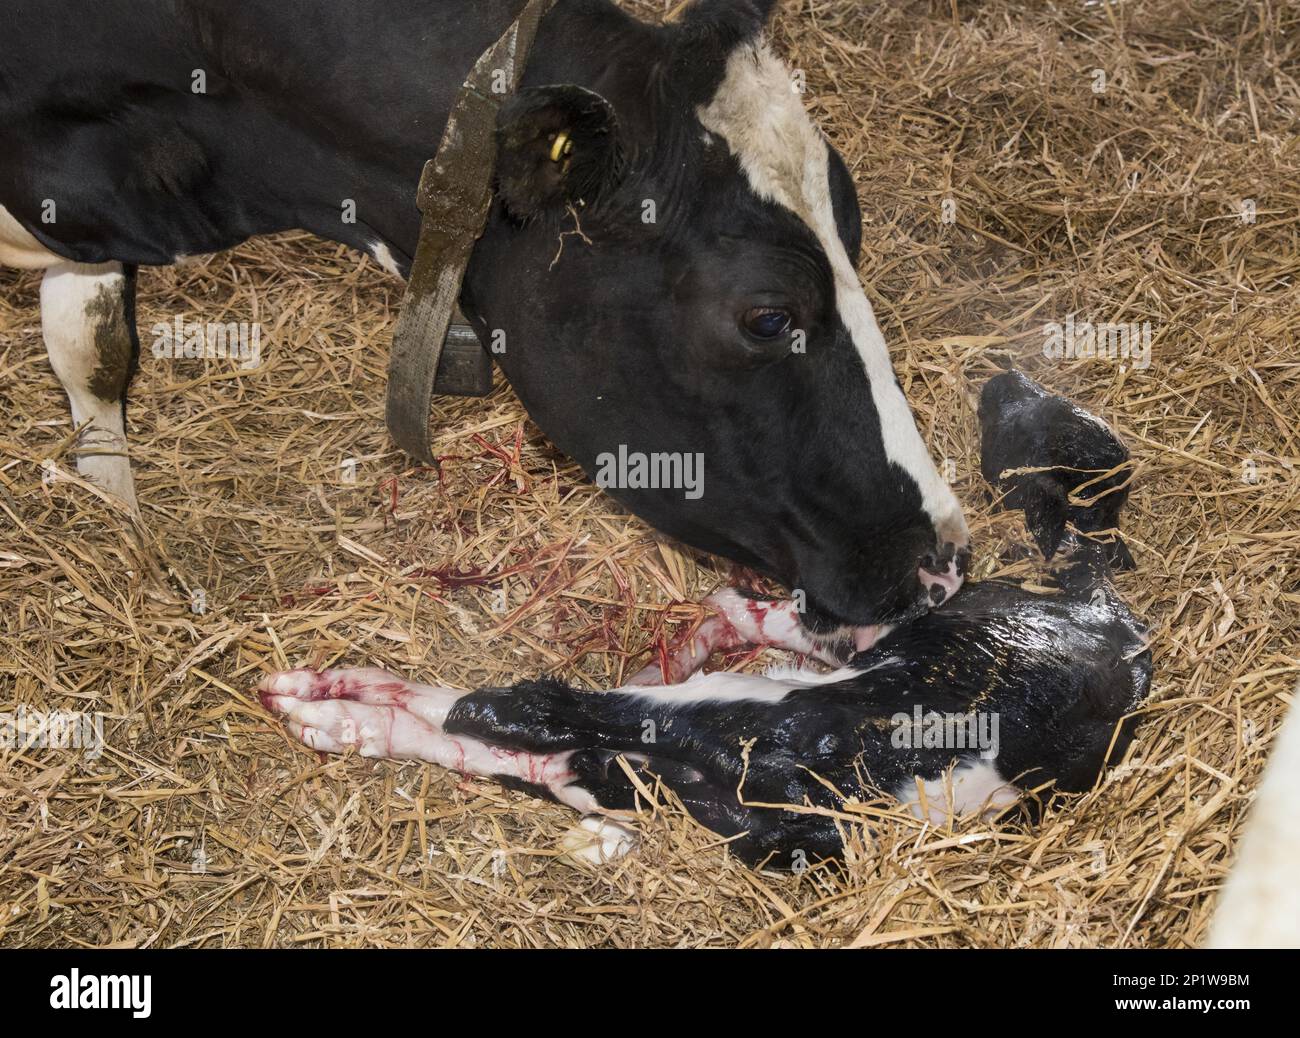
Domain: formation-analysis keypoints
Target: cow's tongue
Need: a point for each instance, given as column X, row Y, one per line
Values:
column 848, row 641
column 865, row 637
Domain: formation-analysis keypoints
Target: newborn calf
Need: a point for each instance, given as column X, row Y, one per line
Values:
column 960, row 711
column 1079, row 470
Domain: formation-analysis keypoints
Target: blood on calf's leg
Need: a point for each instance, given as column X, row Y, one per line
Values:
column 741, row 620
column 381, row 715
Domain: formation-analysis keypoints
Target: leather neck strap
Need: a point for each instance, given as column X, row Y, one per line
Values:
column 454, row 198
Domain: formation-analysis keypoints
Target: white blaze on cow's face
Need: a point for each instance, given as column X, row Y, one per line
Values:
column 711, row 310
column 757, row 111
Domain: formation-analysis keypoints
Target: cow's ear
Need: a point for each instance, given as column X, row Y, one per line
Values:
column 556, row 145
column 706, row 33
column 732, row 20
column 1044, row 502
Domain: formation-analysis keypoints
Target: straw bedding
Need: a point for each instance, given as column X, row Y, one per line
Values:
column 202, row 824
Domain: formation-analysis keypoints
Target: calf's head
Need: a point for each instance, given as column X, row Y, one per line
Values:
column 669, row 277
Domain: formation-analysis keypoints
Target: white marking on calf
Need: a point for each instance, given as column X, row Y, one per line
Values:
column 725, row 686
column 720, row 685
column 787, row 161
column 76, row 300
column 973, row 786
column 802, row 677
column 18, row 248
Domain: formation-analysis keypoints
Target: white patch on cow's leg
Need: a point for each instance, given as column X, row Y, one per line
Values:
column 83, row 320
column 382, row 715
column 787, row 161
column 597, row 840
column 369, row 686
column 969, row 787
column 377, row 713
column 384, row 257
column 20, row 249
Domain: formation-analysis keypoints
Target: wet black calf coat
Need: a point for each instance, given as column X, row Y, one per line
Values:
column 1023, row 426
column 1062, row 672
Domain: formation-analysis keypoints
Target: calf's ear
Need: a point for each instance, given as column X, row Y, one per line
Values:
column 1044, row 502
column 1119, row 556
column 556, row 145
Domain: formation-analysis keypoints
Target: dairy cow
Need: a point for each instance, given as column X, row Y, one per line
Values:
column 965, row 710
column 705, row 304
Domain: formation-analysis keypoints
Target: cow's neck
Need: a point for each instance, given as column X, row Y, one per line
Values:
column 370, row 144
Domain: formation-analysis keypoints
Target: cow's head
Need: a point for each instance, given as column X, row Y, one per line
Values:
column 670, row 274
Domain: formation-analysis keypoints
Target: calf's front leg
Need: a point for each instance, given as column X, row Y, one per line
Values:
column 741, row 620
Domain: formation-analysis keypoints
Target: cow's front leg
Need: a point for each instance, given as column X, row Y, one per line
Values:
column 88, row 322
column 740, row 620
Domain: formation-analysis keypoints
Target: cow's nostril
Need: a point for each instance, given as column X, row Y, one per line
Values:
column 942, row 573
column 941, row 562
column 931, row 563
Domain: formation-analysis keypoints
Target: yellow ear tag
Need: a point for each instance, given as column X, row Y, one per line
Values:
column 562, row 146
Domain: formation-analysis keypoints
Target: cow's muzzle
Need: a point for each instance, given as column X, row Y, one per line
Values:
column 942, row 573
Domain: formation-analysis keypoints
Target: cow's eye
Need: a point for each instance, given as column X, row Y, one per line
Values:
column 764, row 322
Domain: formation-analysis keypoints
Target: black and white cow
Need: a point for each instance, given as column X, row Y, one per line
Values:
column 731, row 326
column 962, row 710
